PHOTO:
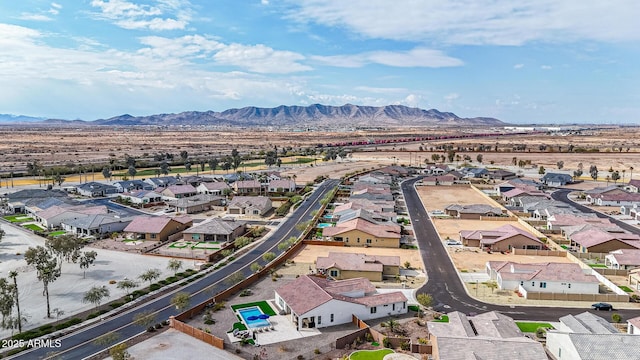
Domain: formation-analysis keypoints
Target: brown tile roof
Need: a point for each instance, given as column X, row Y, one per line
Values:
column 380, row 231
column 356, row 262
column 591, row 235
column 247, row 184
column 153, row 224
column 217, row 185
column 303, row 295
column 542, row 272
column 180, row 189
column 496, row 235
column 630, row 257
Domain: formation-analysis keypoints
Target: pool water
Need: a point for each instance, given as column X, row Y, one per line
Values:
column 253, row 311
column 324, row 225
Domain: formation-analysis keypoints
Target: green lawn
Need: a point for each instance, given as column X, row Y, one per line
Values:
column 18, row 218
column 443, row 318
column 531, row 327
column 57, row 233
column 263, row 305
column 625, row 289
column 239, row 325
column 195, row 245
column 34, row 227
column 370, row 354
column 414, row 308
column 599, row 266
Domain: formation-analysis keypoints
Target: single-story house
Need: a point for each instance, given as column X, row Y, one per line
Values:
column 178, row 191
column 499, row 174
column 213, row 188
column 141, row 197
column 587, row 336
column 471, row 173
column 249, row 205
column 16, row 201
column 96, row 189
column 509, row 196
column 342, row 266
column 218, row 230
column 446, row 179
column 438, row 169
column 54, row 216
column 625, row 259
column 599, row 239
column 612, row 196
column 281, row 186
column 556, row 179
column 360, row 232
column 375, row 179
column 195, row 180
column 161, row 181
column 247, row 187
column 633, row 278
column 197, row 203
column 633, row 186
column 132, row 185
column 490, row 335
column 315, row 302
column 524, row 184
column 473, row 212
column 504, row 238
column 97, row 225
column 157, row 228
column 560, row 221
column 542, row 277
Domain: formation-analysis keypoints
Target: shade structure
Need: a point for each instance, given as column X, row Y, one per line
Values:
column 263, row 316
column 252, row 318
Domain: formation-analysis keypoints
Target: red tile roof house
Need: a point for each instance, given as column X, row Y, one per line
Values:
column 626, row 259
column 504, row 238
column 542, row 277
column 179, row 191
column 590, row 238
column 54, row 216
column 341, row 266
column 315, row 302
column 247, row 187
column 509, row 196
column 612, row 196
column 157, row 228
column 473, row 212
column 360, row 232
column 633, row 186
column 213, row 188
column 281, row 186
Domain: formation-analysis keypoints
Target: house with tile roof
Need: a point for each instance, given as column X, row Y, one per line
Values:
column 510, row 197
column 499, row 174
column 161, row 181
column 218, row 230
column 503, row 238
column 587, row 336
column 141, row 197
column 96, row 189
column 16, row 201
column 542, row 277
column 473, row 211
column 249, row 205
column 445, row 179
column 342, row 266
column 600, row 238
column 633, row 279
column 213, row 188
column 132, row 185
column 633, row 326
column 53, row 216
column 612, row 196
column 551, row 179
column 633, row 186
column 625, row 259
column 197, row 203
column 560, row 221
column 370, row 216
column 157, row 228
column 172, row 192
column 97, row 225
column 375, row 179
column 281, row 186
column 316, row 302
column 360, row 232
column 247, row 187
column 490, row 335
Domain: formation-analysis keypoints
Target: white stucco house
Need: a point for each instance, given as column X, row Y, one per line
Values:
column 542, row 277
column 315, row 302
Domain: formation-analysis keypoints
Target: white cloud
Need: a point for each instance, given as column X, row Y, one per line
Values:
column 546, row 67
column 264, row 2
column 164, row 15
column 417, row 57
column 56, row 5
column 260, row 59
column 518, row 66
column 476, row 21
column 451, row 97
column 379, row 90
column 34, row 17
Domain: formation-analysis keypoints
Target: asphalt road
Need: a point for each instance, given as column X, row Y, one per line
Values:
column 79, row 344
column 563, row 196
column 445, row 285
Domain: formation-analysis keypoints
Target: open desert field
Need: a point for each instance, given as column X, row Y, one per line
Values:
column 471, row 261
column 439, row 197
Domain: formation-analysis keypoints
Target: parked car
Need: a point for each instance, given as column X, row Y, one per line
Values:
column 453, row 242
column 602, row 306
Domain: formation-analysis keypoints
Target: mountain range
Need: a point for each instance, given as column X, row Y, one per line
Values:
column 312, row 115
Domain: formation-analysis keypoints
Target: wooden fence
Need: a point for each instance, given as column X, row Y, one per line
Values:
column 324, row 243
column 196, row 333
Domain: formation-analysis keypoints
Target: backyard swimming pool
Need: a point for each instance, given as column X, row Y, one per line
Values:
column 324, row 225
column 253, row 313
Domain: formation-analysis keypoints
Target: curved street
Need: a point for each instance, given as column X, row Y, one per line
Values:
column 446, row 286
column 79, row 344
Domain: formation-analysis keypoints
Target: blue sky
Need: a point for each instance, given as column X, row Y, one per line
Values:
column 543, row 61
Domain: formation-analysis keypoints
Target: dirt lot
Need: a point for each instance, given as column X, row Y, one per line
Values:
column 439, row 197
column 451, row 227
column 309, row 253
column 474, row 261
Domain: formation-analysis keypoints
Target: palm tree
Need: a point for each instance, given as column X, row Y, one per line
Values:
column 631, row 174
column 392, row 325
column 14, row 275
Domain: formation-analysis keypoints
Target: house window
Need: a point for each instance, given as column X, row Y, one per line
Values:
column 368, row 241
column 346, row 239
column 533, row 284
column 393, row 307
column 333, row 273
column 319, row 319
column 195, row 236
column 358, row 241
column 521, row 283
column 374, row 310
column 153, row 236
column 331, row 318
column 543, row 284
column 404, row 305
column 569, row 285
